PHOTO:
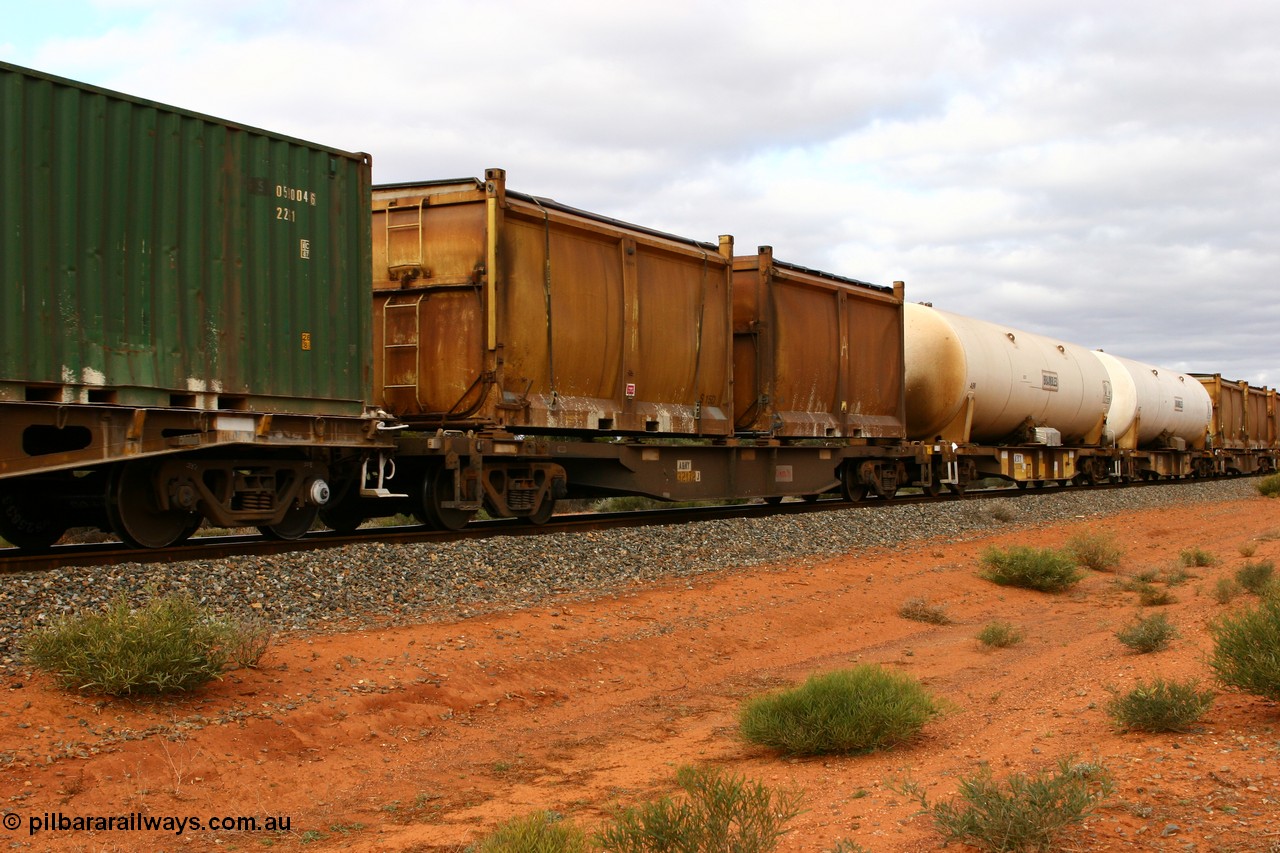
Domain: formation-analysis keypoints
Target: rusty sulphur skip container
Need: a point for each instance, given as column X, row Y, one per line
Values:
column 1244, row 415
column 497, row 309
column 151, row 256
column 815, row 354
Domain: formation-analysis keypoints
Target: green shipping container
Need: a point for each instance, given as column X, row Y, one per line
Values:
column 152, row 256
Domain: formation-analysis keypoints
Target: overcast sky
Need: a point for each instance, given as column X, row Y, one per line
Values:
column 1103, row 172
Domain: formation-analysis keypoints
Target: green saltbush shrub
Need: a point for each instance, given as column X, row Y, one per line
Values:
column 1160, row 706
column 717, row 812
column 1042, row 569
column 1022, row 813
column 1225, row 590
column 1256, row 576
column 1150, row 595
column 1246, row 651
column 1269, row 486
column 170, row 644
column 1196, row 557
column 847, row 711
column 1150, row 634
column 920, row 610
column 999, row 635
column 1097, row 551
column 540, row 832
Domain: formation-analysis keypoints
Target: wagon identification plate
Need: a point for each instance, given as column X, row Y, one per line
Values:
column 685, row 472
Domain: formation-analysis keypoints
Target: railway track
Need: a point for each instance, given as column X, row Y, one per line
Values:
column 220, row 547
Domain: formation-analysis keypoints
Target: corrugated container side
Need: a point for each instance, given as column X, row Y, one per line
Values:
column 815, row 354
column 152, row 256
column 496, row 308
column 1257, row 426
column 1229, row 426
column 1273, row 419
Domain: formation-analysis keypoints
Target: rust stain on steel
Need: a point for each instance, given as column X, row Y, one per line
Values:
column 1244, row 416
column 815, row 354
column 493, row 307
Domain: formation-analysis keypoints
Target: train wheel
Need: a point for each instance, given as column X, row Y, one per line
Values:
column 297, row 521
column 773, row 500
column 543, row 513
column 437, row 487
column 28, row 524
column 343, row 513
column 341, row 519
column 134, row 516
column 850, row 488
column 810, row 499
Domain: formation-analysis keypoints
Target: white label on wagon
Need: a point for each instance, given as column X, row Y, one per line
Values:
column 233, row 423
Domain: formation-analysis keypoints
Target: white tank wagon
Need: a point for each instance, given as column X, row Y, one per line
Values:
column 970, row 381
column 1003, row 402
column 1154, row 407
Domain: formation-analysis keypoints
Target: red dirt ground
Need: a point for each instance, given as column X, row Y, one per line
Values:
column 428, row 736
